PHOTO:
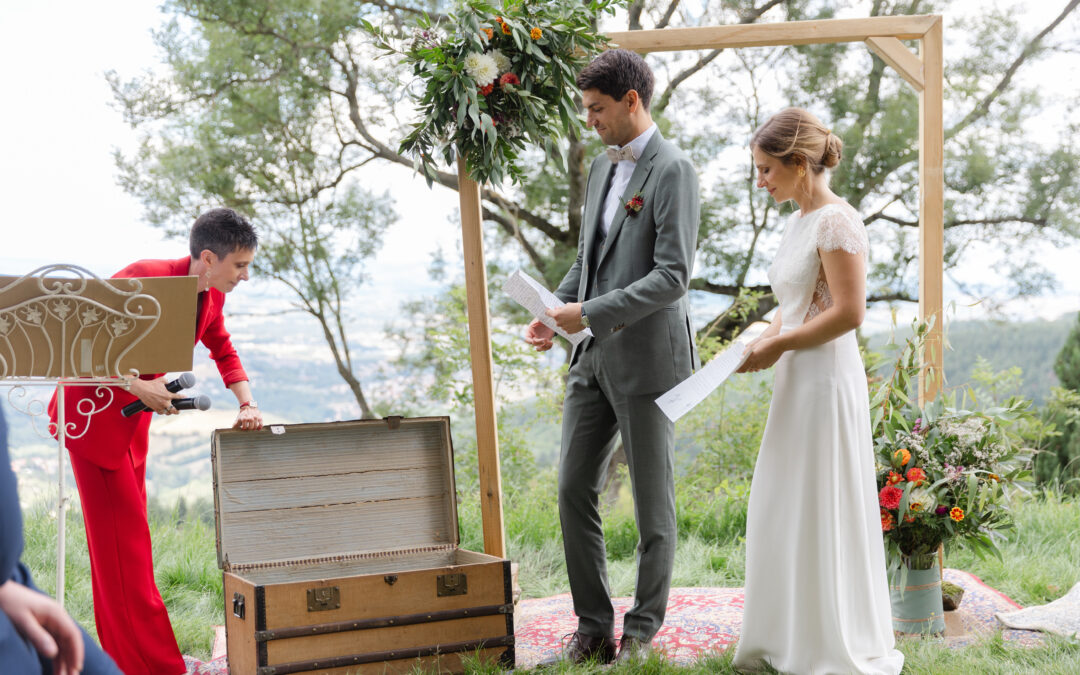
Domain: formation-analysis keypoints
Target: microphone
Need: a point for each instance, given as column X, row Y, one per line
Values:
column 185, row 381
column 200, row 402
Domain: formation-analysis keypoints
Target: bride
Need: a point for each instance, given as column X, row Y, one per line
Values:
column 817, row 598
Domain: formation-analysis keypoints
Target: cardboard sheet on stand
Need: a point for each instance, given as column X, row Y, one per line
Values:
column 63, row 342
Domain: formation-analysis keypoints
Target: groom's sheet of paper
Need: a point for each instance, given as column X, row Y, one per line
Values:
column 528, row 293
column 682, row 398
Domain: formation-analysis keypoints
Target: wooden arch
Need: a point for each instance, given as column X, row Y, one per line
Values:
column 883, row 36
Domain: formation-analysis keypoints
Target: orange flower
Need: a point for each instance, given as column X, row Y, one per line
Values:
column 506, row 28
column 994, row 477
column 909, row 517
column 894, row 478
column 536, row 33
column 488, row 32
column 498, row 19
column 916, row 476
column 487, row 89
column 887, row 521
column 902, row 456
column 956, row 513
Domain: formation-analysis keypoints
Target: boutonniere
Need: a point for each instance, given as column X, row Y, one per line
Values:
column 635, row 203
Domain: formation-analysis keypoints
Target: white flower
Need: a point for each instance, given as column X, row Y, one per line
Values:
column 502, row 61
column 481, row 67
column 921, row 500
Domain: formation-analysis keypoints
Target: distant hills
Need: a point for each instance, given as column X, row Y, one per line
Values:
column 1030, row 345
column 302, row 385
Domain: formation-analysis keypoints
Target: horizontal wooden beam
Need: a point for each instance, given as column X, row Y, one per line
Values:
column 774, row 34
column 894, row 53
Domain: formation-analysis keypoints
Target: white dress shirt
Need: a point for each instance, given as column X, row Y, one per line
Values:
column 623, row 171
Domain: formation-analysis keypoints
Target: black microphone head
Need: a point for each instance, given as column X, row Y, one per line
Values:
column 186, row 380
column 200, row 402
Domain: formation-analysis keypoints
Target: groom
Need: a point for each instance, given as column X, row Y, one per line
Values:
column 628, row 284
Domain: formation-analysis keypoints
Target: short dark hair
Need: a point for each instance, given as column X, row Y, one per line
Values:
column 222, row 231
column 616, row 72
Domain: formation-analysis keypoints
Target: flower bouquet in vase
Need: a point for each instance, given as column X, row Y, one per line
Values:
column 945, row 476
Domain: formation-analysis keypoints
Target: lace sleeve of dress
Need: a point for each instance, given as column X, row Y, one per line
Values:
column 838, row 230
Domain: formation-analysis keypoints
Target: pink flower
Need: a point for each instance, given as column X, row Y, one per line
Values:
column 508, row 78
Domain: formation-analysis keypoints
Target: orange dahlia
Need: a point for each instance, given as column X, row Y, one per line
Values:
column 894, row 478
column 536, row 33
column 916, row 476
column 490, row 33
column 902, row 456
column 887, row 521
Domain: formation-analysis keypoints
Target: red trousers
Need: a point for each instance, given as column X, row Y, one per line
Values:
column 132, row 623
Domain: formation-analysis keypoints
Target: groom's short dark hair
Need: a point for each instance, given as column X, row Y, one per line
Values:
column 616, row 72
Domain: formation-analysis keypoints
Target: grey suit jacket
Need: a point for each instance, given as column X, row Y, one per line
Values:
column 639, row 312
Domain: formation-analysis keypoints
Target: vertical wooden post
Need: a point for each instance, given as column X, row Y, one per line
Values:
column 931, row 208
column 487, row 438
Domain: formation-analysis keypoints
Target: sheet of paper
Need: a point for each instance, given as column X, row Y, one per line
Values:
column 531, row 295
column 682, row 398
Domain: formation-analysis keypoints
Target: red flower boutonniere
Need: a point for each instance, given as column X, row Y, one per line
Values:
column 635, row 203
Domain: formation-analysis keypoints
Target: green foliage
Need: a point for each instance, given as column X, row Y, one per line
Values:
column 185, row 568
column 500, row 79
column 1067, row 364
column 1058, row 463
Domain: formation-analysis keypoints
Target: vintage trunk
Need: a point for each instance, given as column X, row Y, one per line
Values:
column 339, row 545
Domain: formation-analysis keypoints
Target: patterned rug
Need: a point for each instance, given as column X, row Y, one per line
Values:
column 703, row 620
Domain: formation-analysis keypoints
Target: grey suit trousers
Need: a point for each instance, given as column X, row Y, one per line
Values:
column 593, row 413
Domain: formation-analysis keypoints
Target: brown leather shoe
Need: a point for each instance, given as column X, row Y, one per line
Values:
column 633, row 649
column 582, row 648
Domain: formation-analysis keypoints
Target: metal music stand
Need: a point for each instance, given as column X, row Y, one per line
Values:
column 71, row 330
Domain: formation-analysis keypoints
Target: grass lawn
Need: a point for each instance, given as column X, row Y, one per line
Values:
column 1040, row 563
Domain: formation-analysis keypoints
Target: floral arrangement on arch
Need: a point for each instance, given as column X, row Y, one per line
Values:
column 495, row 80
column 945, row 474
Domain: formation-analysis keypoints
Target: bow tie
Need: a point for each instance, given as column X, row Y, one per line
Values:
column 625, row 152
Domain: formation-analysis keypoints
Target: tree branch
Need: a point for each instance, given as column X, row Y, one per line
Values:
column 509, row 226
column 1000, row 220
column 634, row 14
column 665, row 98
column 983, row 107
column 666, row 19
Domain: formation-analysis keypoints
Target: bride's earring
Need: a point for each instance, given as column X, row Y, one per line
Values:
column 802, row 172
column 206, row 279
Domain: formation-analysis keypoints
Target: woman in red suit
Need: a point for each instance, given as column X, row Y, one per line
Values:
column 109, row 461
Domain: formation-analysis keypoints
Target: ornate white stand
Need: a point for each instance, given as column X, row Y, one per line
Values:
column 72, row 327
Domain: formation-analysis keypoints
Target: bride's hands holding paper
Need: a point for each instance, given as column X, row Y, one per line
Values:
column 764, row 352
column 539, row 335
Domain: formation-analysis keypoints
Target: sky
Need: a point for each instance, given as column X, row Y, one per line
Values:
column 62, row 203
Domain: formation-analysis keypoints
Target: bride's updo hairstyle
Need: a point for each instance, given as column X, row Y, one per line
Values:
column 795, row 136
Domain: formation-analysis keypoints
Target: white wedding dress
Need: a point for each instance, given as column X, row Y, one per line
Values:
column 817, row 599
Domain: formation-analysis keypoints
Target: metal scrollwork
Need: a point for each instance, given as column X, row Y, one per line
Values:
column 69, row 339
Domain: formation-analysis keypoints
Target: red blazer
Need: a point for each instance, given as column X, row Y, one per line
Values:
column 111, row 435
